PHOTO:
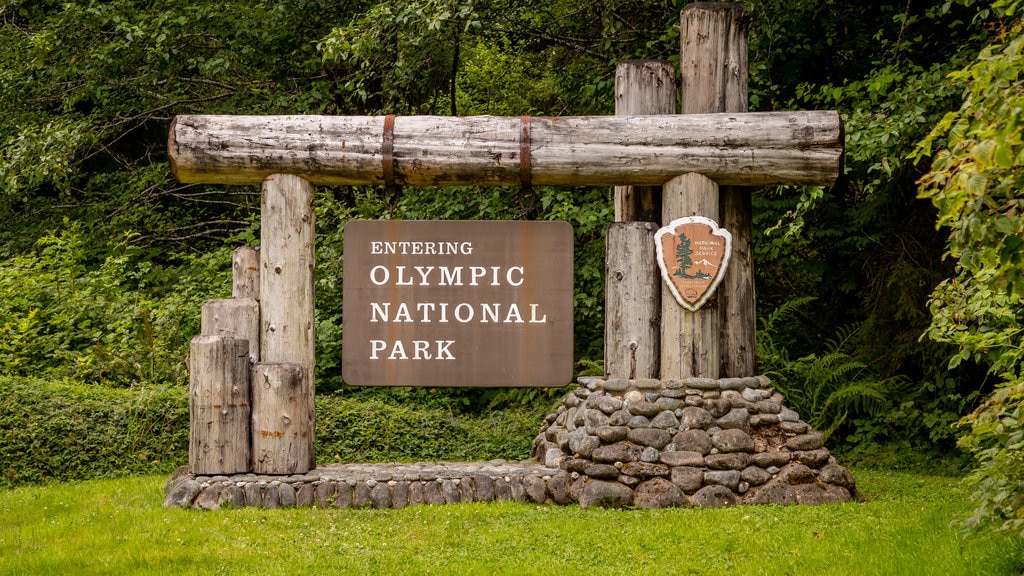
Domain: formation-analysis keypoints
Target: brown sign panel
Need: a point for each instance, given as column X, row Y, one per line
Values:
column 458, row 303
column 693, row 253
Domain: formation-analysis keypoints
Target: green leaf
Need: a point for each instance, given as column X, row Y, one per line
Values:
column 976, row 185
column 1004, row 157
column 983, row 152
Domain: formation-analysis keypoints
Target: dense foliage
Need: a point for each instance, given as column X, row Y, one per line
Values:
column 58, row 430
column 105, row 259
column 975, row 181
column 61, row 430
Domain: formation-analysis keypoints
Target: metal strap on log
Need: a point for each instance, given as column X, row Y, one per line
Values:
column 741, row 149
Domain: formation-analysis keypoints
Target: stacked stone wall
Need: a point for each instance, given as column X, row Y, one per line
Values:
column 690, row 442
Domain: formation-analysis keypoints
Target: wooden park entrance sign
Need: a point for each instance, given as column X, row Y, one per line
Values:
column 714, row 143
column 464, row 303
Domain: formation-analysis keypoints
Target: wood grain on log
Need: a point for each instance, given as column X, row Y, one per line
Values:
column 744, row 149
column 287, row 320
column 282, row 420
column 219, row 405
column 237, row 317
column 689, row 340
column 713, row 73
column 642, row 87
column 245, row 272
column 632, row 301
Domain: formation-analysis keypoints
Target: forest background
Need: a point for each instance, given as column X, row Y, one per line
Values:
column 890, row 304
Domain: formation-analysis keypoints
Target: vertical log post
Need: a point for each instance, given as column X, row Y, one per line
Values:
column 287, row 306
column 632, row 297
column 632, row 301
column 236, row 317
column 716, row 81
column 642, row 87
column 245, row 272
column 282, row 419
column 713, row 49
column 219, row 405
column 689, row 340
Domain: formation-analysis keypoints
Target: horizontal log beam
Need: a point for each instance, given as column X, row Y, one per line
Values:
column 732, row 149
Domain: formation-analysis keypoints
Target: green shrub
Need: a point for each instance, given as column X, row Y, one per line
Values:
column 996, row 439
column 975, row 179
column 827, row 388
column 371, row 430
column 65, row 430
column 121, row 321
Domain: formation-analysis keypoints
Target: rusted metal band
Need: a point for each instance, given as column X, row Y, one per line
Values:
column 387, row 151
column 524, row 153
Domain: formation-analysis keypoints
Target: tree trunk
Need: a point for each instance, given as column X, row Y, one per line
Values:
column 632, row 301
column 282, row 419
column 219, row 405
column 745, row 149
column 642, row 87
column 287, row 318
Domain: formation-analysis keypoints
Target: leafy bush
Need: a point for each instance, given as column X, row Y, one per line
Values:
column 125, row 320
column 996, row 438
column 372, row 430
column 824, row 389
column 976, row 175
column 65, row 430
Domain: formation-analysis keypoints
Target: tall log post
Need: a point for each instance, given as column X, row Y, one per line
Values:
column 642, row 87
column 713, row 50
column 236, row 317
column 245, row 272
column 286, row 300
column 282, row 418
column 219, row 405
column 715, row 73
column 632, row 297
column 689, row 340
column 632, row 301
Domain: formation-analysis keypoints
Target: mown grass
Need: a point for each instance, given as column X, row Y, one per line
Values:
column 119, row 527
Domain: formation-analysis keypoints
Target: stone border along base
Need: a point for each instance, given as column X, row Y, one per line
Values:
column 612, row 443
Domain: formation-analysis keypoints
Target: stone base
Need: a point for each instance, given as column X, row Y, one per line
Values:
column 612, row 443
column 373, row 486
column 692, row 442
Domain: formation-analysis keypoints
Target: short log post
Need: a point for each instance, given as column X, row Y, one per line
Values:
column 689, row 340
column 219, row 407
column 632, row 301
column 236, row 317
column 282, row 419
column 287, row 312
column 642, row 87
column 245, row 272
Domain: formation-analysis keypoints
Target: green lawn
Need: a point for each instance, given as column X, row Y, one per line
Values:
column 119, row 527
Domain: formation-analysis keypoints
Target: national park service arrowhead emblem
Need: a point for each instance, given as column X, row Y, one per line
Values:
column 693, row 253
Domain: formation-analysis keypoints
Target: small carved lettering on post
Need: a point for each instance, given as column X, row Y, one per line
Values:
column 693, row 253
